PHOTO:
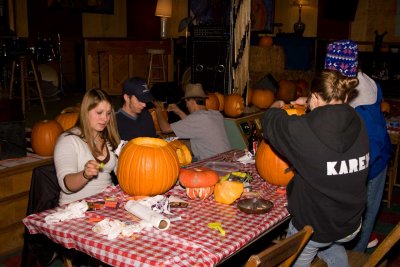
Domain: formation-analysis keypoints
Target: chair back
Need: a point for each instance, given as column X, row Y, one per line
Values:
column 390, row 240
column 283, row 253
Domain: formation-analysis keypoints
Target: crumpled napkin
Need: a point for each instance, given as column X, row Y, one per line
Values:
column 72, row 211
column 113, row 228
column 247, row 158
column 158, row 203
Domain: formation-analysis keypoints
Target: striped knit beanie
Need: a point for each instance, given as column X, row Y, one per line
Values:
column 342, row 56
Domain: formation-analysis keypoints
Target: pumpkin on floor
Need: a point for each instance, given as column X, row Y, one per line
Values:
column 226, row 192
column 234, row 105
column 44, row 137
column 199, row 182
column 147, row 167
column 182, row 151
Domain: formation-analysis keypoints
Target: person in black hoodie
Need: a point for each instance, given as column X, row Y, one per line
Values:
column 329, row 152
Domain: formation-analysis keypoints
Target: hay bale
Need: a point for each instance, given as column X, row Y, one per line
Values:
column 267, row 59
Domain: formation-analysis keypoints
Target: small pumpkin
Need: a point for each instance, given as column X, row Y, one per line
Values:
column 147, row 167
column 212, row 101
column 301, row 88
column 182, row 151
column 265, row 41
column 67, row 120
column 44, row 137
column 234, row 105
column 287, row 90
column 227, row 192
column 221, row 100
column 263, row 98
column 199, row 182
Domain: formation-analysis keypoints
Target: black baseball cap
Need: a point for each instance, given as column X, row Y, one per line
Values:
column 137, row 87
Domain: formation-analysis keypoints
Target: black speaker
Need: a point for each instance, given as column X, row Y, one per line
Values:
column 210, row 64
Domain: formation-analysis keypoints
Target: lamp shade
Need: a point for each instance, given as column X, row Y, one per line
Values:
column 164, row 8
column 300, row 2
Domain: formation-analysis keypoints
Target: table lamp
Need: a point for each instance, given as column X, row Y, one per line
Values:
column 163, row 10
column 299, row 26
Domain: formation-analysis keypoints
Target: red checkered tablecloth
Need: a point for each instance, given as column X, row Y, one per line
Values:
column 187, row 242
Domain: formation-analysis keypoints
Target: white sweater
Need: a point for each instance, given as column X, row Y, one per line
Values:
column 70, row 156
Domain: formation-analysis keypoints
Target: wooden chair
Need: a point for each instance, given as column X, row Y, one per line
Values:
column 283, row 253
column 358, row 259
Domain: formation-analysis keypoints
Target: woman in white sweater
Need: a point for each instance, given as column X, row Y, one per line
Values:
column 84, row 156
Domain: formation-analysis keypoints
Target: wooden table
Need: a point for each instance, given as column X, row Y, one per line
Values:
column 15, row 181
column 187, row 242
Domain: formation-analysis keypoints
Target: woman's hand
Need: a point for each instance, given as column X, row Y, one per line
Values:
column 300, row 101
column 277, row 104
column 91, row 169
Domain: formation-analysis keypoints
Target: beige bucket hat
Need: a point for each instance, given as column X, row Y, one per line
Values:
column 194, row 90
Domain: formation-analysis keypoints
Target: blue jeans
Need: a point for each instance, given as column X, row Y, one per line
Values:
column 375, row 189
column 333, row 253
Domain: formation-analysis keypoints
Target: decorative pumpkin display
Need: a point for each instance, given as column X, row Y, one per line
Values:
column 226, row 192
column 221, row 100
column 385, row 107
column 287, row 91
column 294, row 109
column 212, row 101
column 301, row 88
column 234, row 105
column 182, row 151
column 265, row 41
column 263, row 98
column 155, row 120
column 67, row 120
column 44, row 137
column 199, row 182
column 147, row 167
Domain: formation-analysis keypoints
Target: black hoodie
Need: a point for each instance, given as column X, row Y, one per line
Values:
column 329, row 151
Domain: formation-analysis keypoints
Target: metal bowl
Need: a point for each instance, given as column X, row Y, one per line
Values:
column 255, row 205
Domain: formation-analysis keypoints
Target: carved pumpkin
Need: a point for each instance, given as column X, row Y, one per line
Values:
column 265, row 41
column 212, row 102
column 226, row 192
column 287, row 91
column 67, row 120
column 270, row 166
column 155, row 120
column 199, row 182
column 221, row 100
column 147, row 167
column 263, row 98
column 44, row 137
column 182, row 151
column 234, row 105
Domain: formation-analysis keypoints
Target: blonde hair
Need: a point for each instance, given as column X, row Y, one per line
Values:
column 331, row 85
column 90, row 100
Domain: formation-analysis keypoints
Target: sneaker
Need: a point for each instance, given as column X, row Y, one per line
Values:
column 373, row 241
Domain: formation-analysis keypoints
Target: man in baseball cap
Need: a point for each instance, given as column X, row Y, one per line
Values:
column 133, row 119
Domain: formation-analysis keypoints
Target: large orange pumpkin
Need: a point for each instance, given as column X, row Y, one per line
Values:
column 263, row 98
column 212, row 101
column 182, row 151
column 287, row 91
column 67, row 120
column 44, row 137
column 234, row 105
column 221, row 100
column 147, row 167
column 199, row 182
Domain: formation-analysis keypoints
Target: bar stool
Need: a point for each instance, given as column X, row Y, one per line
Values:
column 25, row 79
column 158, row 66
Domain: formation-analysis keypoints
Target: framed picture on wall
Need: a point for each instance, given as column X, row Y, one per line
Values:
column 262, row 16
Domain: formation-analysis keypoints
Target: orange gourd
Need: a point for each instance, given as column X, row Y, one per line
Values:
column 67, row 120
column 265, row 41
column 286, row 91
column 221, row 100
column 234, row 105
column 212, row 102
column 227, row 192
column 263, row 98
column 199, row 182
column 182, row 151
column 44, row 137
column 147, row 167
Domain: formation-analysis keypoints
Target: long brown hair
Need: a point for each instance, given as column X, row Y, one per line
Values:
column 90, row 100
column 332, row 85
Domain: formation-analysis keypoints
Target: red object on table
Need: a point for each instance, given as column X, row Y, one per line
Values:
column 188, row 242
